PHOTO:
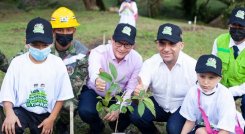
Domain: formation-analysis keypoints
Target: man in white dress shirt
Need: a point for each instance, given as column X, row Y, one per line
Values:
column 169, row 74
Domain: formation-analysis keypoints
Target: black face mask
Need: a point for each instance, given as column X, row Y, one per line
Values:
column 64, row 39
column 237, row 34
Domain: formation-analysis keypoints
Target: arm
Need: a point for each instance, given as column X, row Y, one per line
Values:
column 122, row 7
column 95, row 67
column 48, row 123
column 237, row 90
column 223, row 132
column 188, row 126
column 131, row 8
column 10, row 120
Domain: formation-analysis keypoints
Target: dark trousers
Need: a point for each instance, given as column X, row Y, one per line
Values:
column 145, row 124
column 28, row 120
column 88, row 113
column 243, row 106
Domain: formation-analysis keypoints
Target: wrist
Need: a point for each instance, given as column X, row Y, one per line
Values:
column 9, row 112
column 52, row 118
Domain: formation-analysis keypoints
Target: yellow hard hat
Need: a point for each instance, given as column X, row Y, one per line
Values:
column 63, row 18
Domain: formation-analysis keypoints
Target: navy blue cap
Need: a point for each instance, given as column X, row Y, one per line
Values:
column 39, row 29
column 238, row 16
column 209, row 64
column 125, row 32
column 169, row 32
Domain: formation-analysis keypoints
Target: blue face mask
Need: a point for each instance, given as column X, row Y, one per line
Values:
column 38, row 54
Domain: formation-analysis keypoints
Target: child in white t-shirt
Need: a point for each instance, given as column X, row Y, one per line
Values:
column 35, row 85
column 215, row 100
column 128, row 12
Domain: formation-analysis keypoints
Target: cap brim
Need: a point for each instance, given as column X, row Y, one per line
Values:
column 123, row 38
column 169, row 38
column 237, row 22
column 208, row 70
column 41, row 39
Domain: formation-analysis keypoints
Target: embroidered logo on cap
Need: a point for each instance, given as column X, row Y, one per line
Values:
column 240, row 14
column 127, row 30
column 167, row 30
column 64, row 19
column 38, row 28
column 211, row 62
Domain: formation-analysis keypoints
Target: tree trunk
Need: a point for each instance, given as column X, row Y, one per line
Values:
column 87, row 4
column 101, row 5
column 153, row 7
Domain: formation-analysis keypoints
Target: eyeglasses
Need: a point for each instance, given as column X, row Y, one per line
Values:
column 119, row 44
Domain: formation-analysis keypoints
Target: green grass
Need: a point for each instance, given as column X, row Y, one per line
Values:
column 94, row 25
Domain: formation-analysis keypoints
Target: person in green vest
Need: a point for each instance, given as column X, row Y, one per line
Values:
column 230, row 48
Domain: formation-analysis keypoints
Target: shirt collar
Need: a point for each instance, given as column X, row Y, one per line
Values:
column 240, row 46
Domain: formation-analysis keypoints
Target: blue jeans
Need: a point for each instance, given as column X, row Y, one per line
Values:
column 145, row 124
column 29, row 120
column 88, row 113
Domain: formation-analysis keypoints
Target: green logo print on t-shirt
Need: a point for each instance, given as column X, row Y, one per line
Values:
column 37, row 97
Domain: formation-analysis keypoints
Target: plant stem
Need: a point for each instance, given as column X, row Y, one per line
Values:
column 116, row 124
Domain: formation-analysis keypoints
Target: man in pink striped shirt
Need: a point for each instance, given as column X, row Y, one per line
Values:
column 119, row 51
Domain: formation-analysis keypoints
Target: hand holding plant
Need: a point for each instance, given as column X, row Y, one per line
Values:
column 122, row 104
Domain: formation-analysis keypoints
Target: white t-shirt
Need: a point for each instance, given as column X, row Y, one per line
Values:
column 36, row 87
column 219, row 107
column 127, row 16
column 169, row 87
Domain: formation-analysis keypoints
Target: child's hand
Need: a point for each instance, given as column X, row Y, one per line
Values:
column 47, row 125
column 9, row 123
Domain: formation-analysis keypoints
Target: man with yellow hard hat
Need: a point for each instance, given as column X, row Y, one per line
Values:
column 74, row 55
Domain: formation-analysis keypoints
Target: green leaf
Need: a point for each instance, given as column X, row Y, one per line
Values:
column 142, row 93
column 124, row 109
column 114, row 107
column 99, row 106
column 105, row 102
column 119, row 98
column 113, row 87
column 141, row 108
column 150, row 105
column 113, row 70
column 105, row 76
column 108, row 95
column 128, row 100
column 135, row 97
column 99, row 97
column 130, row 108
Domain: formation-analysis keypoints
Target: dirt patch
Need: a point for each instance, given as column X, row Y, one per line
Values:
column 97, row 42
column 192, row 28
column 18, row 30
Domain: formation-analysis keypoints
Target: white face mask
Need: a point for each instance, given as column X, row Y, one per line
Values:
column 38, row 54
